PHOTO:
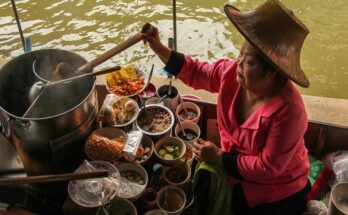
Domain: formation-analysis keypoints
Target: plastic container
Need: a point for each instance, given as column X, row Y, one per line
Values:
column 149, row 199
column 172, row 200
column 193, row 132
column 193, row 112
column 121, row 206
column 154, row 100
column 178, row 175
column 188, row 156
column 148, row 92
column 130, row 188
column 164, row 142
column 339, row 199
column 171, row 101
column 156, row 212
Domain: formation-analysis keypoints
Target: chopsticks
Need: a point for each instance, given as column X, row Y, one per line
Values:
column 54, row 178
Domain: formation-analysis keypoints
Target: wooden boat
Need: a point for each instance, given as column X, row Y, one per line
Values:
column 321, row 138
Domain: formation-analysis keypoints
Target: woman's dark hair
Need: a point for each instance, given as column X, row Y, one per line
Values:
column 267, row 67
column 265, row 64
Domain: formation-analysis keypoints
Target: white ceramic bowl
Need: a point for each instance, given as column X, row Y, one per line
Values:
column 145, row 113
column 121, row 125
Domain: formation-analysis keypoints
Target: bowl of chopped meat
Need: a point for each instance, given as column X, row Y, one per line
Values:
column 155, row 120
column 105, row 144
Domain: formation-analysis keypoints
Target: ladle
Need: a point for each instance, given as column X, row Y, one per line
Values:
column 64, row 68
column 38, row 87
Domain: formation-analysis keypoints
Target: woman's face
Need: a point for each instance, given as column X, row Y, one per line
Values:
column 250, row 74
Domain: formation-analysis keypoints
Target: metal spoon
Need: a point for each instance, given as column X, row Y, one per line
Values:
column 180, row 124
column 169, row 93
column 150, row 76
column 183, row 105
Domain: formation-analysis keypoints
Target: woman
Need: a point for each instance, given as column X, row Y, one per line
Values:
column 261, row 115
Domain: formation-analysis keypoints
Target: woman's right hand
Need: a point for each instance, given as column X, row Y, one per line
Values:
column 153, row 38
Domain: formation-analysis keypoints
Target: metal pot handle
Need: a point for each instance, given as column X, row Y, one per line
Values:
column 4, row 124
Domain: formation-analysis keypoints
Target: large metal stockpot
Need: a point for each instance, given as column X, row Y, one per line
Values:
column 51, row 139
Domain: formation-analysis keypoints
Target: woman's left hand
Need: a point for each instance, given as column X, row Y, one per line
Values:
column 207, row 151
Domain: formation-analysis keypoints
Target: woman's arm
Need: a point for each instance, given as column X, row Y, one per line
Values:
column 199, row 75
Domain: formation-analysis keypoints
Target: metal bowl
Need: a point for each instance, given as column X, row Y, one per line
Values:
column 146, row 115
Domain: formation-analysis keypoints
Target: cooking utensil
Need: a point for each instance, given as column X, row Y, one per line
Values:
column 54, row 178
column 150, row 76
column 38, row 86
column 85, row 75
column 170, row 89
column 183, row 105
column 161, row 99
column 64, row 68
column 179, row 121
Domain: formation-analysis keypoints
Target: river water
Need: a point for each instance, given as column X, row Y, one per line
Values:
column 89, row 28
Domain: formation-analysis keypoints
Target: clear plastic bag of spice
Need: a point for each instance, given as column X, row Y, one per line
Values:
column 131, row 149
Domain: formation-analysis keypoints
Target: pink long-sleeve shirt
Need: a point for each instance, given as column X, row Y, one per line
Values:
column 273, row 159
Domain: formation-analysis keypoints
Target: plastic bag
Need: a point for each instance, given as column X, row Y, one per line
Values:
column 338, row 161
column 107, row 113
column 131, row 148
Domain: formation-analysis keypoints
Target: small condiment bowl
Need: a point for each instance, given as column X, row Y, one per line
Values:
column 164, row 142
column 127, row 184
column 188, row 156
column 148, row 92
column 171, row 199
column 178, row 175
column 156, row 212
column 190, row 107
column 121, row 206
column 193, row 132
column 95, row 149
column 171, row 101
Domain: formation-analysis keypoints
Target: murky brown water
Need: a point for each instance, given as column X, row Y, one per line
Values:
column 91, row 27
